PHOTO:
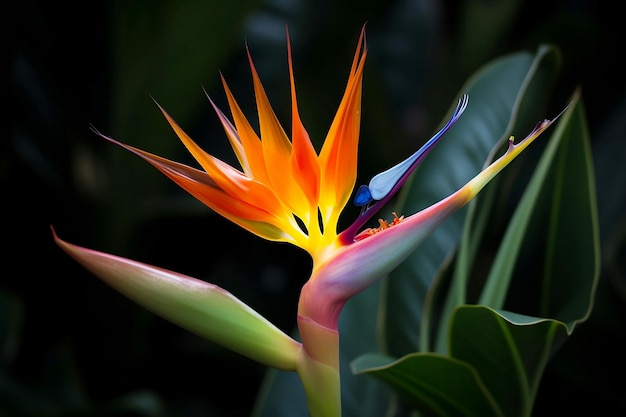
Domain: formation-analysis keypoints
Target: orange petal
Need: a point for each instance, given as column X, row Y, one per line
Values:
column 277, row 151
column 227, row 178
column 253, row 206
column 304, row 161
column 256, row 219
column 338, row 157
column 248, row 137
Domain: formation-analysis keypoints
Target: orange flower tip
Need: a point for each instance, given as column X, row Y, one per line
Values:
column 102, row 135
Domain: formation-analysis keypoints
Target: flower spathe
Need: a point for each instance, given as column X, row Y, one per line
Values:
column 284, row 190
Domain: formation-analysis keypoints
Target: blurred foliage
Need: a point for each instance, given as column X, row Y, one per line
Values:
column 71, row 346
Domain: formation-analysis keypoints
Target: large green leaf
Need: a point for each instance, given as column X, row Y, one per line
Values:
column 509, row 351
column 436, row 384
column 494, row 368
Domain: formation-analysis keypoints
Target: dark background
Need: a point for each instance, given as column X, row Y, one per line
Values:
column 72, row 346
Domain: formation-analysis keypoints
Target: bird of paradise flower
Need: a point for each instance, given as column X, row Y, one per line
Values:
column 285, row 191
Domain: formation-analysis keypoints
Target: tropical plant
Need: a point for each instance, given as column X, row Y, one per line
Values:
column 423, row 301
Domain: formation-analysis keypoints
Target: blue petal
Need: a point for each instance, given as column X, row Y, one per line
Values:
column 363, row 196
column 382, row 184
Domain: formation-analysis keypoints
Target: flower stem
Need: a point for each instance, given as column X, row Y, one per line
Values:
column 318, row 368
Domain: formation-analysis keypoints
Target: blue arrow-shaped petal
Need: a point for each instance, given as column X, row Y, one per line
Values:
column 384, row 183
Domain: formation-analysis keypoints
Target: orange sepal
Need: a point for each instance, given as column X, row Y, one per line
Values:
column 338, row 157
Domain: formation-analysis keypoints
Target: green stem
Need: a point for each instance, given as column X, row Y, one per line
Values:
column 318, row 368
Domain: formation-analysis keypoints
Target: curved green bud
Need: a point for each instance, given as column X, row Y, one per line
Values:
column 200, row 307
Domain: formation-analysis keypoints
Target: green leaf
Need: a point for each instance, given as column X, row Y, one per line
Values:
column 509, row 351
column 494, row 368
column 572, row 267
column 435, row 384
column 560, row 203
